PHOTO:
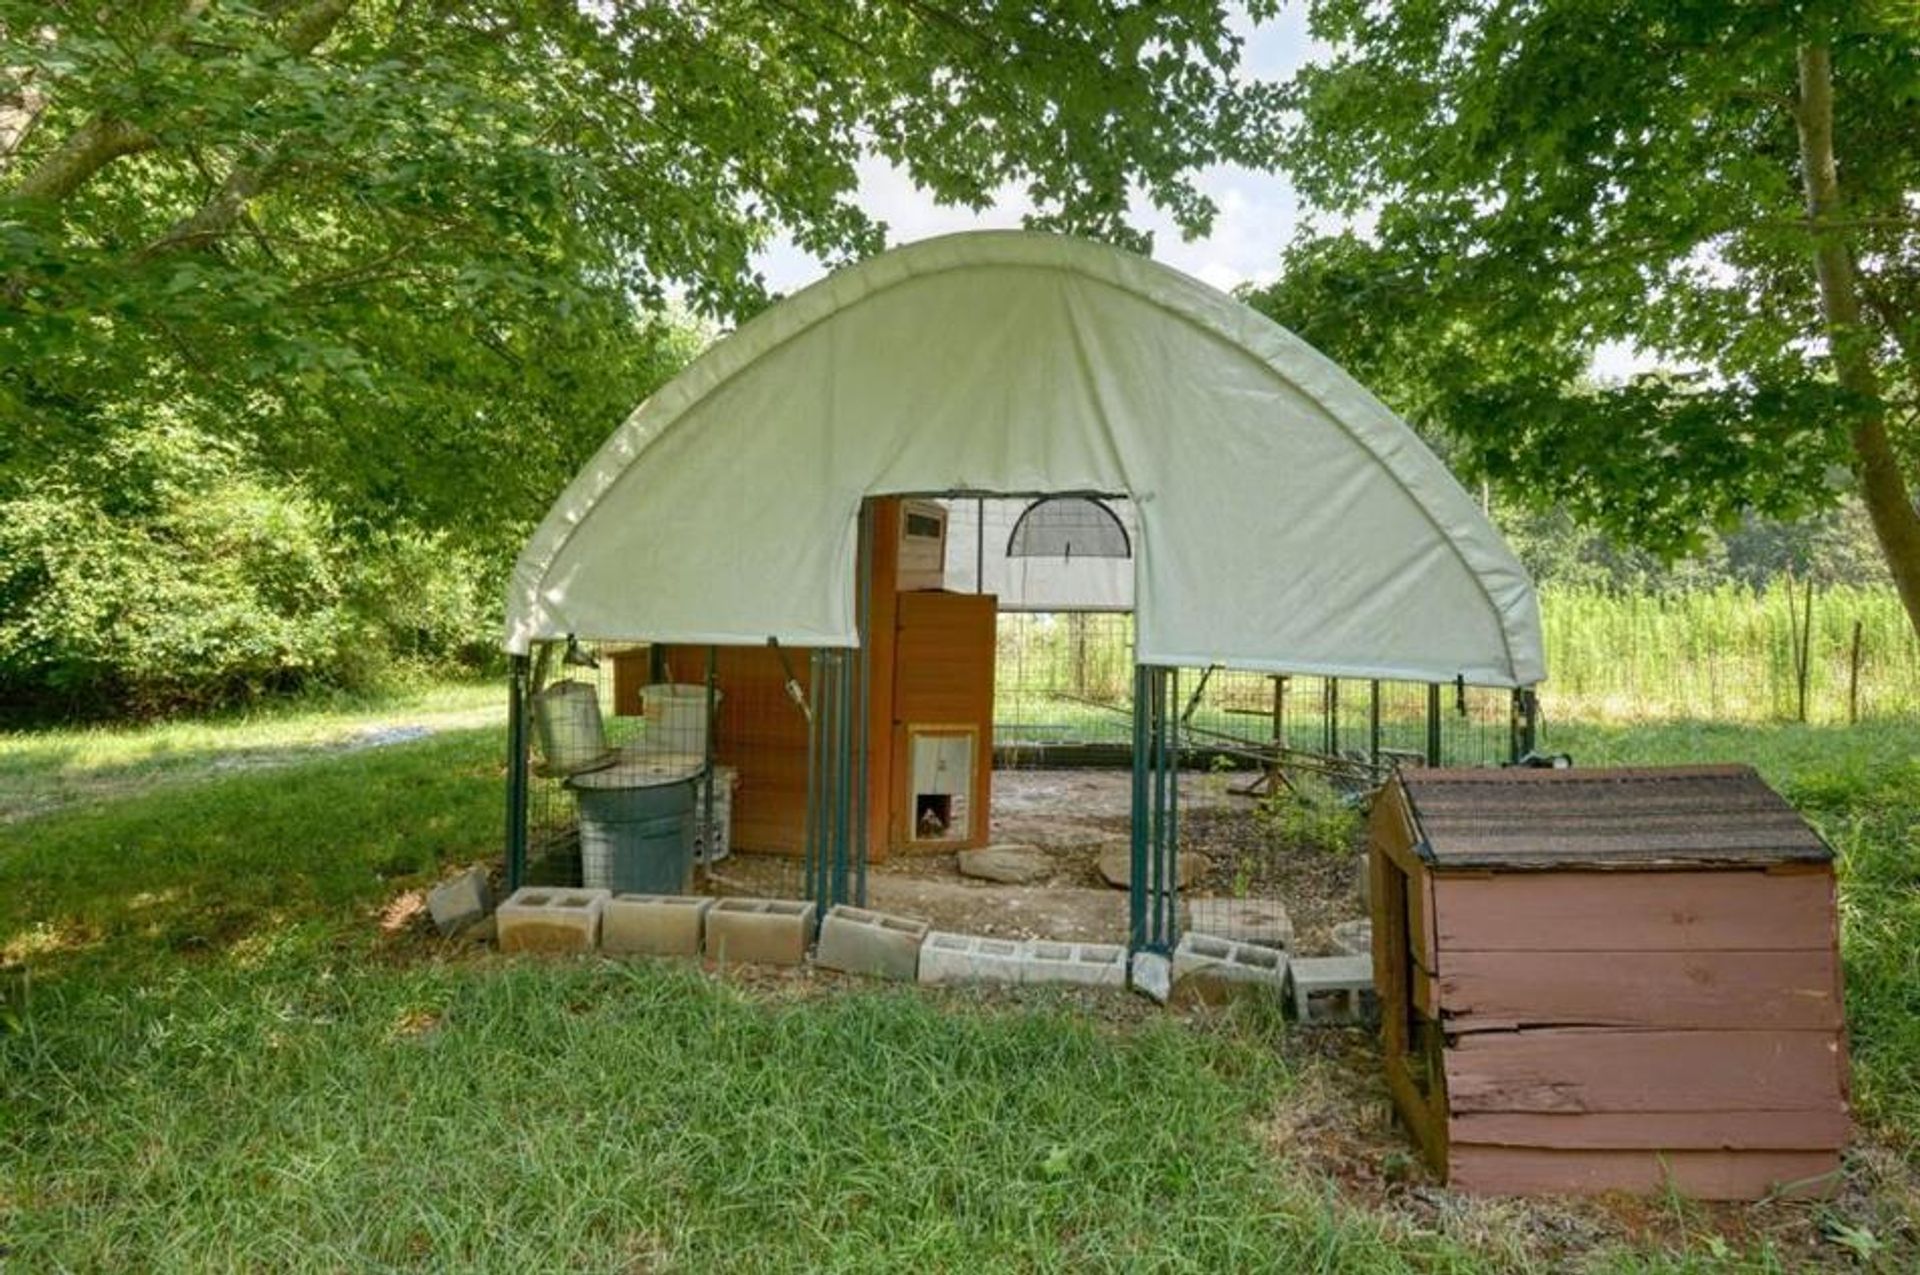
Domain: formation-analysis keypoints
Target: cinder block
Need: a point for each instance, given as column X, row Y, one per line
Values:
column 1331, row 990
column 654, row 924
column 542, row 919
column 1213, row 971
column 1085, row 964
column 856, row 941
column 970, row 958
column 1153, row 976
column 459, row 901
column 759, row 931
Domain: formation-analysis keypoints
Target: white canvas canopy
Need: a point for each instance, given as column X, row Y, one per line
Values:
column 1287, row 521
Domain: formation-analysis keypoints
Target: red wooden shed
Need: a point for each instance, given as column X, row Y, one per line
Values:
column 1598, row 980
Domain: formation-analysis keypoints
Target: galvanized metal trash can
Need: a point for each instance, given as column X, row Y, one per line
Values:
column 637, row 825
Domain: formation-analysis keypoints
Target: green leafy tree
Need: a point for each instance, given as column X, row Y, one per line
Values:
column 406, row 248
column 396, row 267
column 1732, row 187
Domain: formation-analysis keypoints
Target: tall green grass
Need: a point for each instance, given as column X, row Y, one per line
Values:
column 1714, row 654
column 1725, row 654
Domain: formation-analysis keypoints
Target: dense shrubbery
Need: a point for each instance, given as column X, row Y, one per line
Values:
column 168, row 574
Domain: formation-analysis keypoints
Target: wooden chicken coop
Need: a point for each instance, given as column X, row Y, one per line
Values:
column 930, row 712
column 1596, row 980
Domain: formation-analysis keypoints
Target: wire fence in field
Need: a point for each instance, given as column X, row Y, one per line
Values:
column 1064, row 687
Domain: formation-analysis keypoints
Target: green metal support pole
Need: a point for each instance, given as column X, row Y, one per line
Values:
column 1330, row 705
column 517, row 772
column 1156, row 866
column 1373, row 723
column 1142, row 765
column 1170, row 869
column 706, row 814
column 1433, row 723
column 814, row 804
column 862, row 726
column 843, row 774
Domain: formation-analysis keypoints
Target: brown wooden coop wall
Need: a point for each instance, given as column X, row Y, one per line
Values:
column 1585, row 1029
column 931, row 660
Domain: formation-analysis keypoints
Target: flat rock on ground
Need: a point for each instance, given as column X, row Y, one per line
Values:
column 1009, row 864
column 1116, row 866
column 1262, row 921
column 1354, row 938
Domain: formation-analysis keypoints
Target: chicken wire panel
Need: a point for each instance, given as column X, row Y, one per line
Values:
column 1063, row 691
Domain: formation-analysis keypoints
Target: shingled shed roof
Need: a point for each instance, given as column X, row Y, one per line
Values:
column 1623, row 818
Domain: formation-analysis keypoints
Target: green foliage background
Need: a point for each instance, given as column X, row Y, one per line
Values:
column 308, row 308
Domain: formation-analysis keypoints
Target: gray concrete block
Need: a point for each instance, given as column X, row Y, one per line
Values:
column 856, row 941
column 459, row 901
column 655, row 924
column 1213, row 971
column 1332, row 990
column 1084, row 964
column 970, row 958
column 759, row 931
column 1152, row 976
column 539, row 918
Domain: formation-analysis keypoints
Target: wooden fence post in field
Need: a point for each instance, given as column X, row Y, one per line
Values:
column 1800, row 635
column 1853, row 678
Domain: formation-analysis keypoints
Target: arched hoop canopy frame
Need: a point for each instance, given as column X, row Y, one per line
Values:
column 1288, row 521
column 1283, row 520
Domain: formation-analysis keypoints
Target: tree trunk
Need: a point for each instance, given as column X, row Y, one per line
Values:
column 105, row 138
column 1883, row 487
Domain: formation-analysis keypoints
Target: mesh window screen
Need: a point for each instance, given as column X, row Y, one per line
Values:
column 1068, row 527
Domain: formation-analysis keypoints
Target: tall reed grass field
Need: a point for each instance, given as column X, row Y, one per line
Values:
column 1726, row 654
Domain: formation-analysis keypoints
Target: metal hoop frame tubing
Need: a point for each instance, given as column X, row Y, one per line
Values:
column 517, row 771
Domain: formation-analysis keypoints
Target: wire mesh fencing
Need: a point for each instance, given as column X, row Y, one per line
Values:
column 1064, row 696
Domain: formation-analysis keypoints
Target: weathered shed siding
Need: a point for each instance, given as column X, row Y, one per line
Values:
column 1610, row 1006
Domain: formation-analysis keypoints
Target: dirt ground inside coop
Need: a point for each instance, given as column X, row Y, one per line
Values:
column 1072, row 817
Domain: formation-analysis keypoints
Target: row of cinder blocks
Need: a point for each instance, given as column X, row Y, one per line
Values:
column 972, row 958
column 1204, row 969
column 743, row 931
column 761, row 931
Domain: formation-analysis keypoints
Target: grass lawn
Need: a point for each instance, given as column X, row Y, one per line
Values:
column 228, row 1062
column 43, row 770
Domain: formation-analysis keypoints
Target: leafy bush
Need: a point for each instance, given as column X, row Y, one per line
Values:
column 168, row 575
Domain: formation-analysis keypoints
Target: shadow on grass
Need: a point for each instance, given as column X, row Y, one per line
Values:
column 197, row 868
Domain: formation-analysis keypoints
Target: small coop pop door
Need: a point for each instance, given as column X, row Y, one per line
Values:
column 940, row 784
